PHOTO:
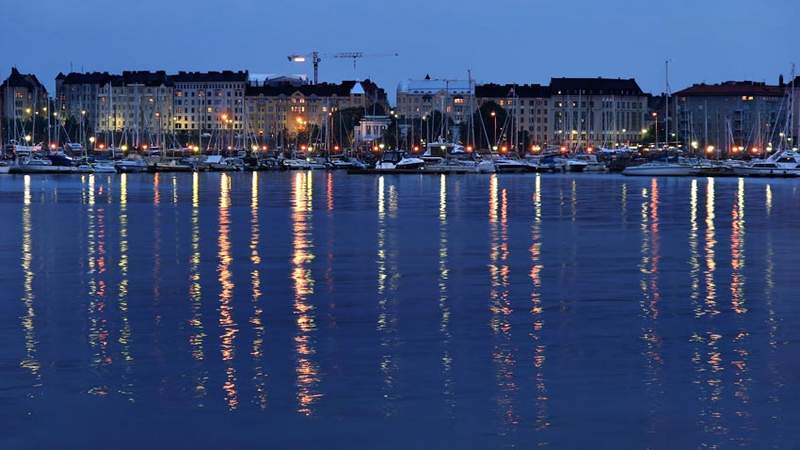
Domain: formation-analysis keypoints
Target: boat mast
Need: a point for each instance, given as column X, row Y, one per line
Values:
column 666, row 104
column 470, row 119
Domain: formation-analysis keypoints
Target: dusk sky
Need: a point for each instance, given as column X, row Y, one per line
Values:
column 502, row 41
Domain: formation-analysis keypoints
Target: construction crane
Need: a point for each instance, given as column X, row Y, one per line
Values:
column 316, row 58
column 356, row 55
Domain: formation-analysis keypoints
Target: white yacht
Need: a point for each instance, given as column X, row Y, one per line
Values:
column 781, row 164
column 576, row 165
column 104, row 167
column 344, row 163
column 511, row 165
column 131, row 165
column 590, row 161
column 296, row 164
column 676, row 168
column 398, row 160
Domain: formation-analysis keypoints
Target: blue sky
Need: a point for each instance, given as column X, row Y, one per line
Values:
column 503, row 40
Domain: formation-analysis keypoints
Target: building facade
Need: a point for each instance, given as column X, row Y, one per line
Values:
column 279, row 112
column 731, row 114
column 22, row 97
column 419, row 98
column 137, row 105
column 77, row 96
column 206, row 102
column 526, row 105
column 794, row 94
column 586, row 112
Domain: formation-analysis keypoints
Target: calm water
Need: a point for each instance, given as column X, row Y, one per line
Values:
column 324, row 310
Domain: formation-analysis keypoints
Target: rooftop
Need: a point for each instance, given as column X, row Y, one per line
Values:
column 23, row 80
column 85, row 78
column 343, row 89
column 145, row 78
column 492, row 90
column 594, row 86
column 732, row 89
column 206, row 77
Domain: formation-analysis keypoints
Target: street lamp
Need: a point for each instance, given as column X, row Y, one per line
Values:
column 494, row 130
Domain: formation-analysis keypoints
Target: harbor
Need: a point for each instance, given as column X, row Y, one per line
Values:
column 227, row 121
column 427, row 225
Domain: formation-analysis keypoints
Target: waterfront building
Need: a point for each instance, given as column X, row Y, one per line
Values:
column 22, row 97
column 527, row 106
column 206, row 102
column 731, row 115
column 277, row 112
column 77, row 96
column 371, row 129
column 794, row 94
column 419, row 98
column 138, row 105
column 587, row 112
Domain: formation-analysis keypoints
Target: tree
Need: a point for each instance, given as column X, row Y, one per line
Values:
column 344, row 121
column 489, row 123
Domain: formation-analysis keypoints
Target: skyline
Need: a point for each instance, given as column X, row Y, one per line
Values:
column 532, row 44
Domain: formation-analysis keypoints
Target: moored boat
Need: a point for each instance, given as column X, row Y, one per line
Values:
column 667, row 168
column 782, row 164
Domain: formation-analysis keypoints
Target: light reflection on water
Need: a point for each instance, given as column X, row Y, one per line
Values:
column 542, row 421
column 197, row 331
column 227, row 323
column 28, row 319
column 256, row 319
column 500, row 306
column 502, row 327
column 307, row 367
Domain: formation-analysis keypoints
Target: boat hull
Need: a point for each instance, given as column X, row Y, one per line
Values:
column 670, row 171
column 52, row 170
column 766, row 173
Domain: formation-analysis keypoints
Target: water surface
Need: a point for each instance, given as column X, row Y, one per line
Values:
column 321, row 310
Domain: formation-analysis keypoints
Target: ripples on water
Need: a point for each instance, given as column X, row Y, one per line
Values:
column 429, row 312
